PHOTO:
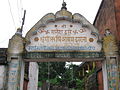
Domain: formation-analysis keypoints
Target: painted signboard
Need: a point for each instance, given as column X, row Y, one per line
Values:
column 63, row 36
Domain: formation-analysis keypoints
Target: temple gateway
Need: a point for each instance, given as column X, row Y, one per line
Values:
column 59, row 37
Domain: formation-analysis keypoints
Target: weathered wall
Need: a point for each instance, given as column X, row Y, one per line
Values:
column 2, row 76
column 108, row 17
column 3, row 68
column 105, row 18
column 100, row 80
column 117, row 13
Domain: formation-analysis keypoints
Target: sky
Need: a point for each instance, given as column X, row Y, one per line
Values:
column 12, row 13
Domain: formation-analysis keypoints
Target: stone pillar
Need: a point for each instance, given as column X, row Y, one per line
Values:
column 22, row 74
column 15, row 62
column 104, row 71
column 14, row 74
column 111, row 54
column 33, row 76
column 2, row 77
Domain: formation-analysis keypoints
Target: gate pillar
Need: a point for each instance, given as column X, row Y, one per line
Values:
column 33, row 76
column 111, row 54
column 104, row 71
column 15, row 62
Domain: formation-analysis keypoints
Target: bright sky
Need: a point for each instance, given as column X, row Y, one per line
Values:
column 36, row 9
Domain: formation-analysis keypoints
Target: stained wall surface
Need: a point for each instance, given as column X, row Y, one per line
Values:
column 108, row 17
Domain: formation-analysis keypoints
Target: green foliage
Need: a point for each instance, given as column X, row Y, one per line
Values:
column 39, row 83
column 56, row 69
column 80, row 84
column 61, row 75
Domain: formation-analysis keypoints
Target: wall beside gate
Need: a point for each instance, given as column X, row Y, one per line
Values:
column 108, row 18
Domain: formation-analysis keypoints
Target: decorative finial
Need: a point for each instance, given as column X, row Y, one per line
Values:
column 19, row 31
column 64, row 5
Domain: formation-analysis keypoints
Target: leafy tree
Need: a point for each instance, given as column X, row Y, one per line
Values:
column 51, row 70
column 60, row 74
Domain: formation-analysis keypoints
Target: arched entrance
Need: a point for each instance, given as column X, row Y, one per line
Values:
column 62, row 37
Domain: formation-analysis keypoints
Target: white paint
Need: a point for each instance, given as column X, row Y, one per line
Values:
column 2, row 76
column 63, row 36
column 33, row 76
column 104, row 71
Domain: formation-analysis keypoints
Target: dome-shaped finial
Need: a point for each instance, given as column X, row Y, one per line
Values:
column 64, row 5
column 19, row 31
